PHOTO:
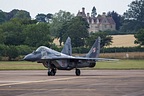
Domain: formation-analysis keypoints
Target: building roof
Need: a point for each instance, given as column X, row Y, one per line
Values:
column 99, row 19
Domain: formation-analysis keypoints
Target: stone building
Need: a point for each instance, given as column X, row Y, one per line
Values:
column 99, row 23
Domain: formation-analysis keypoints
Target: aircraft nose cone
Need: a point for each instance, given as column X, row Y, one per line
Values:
column 32, row 57
column 28, row 57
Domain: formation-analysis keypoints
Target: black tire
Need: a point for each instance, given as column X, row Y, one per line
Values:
column 77, row 72
column 49, row 73
column 53, row 72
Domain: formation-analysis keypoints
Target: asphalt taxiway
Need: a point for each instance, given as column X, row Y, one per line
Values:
column 65, row 83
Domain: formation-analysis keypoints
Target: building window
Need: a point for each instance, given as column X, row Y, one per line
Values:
column 105, row 26
column 96, row 26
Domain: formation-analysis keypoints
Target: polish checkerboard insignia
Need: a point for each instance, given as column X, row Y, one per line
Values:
column 94, row 50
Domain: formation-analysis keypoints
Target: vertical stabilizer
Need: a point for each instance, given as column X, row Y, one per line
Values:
column 95, row 49
column 67, row 49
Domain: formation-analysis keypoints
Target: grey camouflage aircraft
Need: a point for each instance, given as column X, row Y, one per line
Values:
column 64, row 60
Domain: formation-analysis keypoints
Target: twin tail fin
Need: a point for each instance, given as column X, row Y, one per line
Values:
column 67, row 49
column 95, row 49
column 93, row 53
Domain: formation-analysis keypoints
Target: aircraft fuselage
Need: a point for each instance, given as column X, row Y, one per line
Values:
column 70, row 64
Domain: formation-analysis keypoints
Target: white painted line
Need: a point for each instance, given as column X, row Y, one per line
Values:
column 39, row 81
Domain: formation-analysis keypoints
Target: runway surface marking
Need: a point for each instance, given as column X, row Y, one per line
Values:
column 39, row 81
column 8, row 83
column 70, row 89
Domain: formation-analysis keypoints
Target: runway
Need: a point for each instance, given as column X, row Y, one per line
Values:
column 65, row 83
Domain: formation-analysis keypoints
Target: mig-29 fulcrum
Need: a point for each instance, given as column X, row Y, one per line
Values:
column 54, row 60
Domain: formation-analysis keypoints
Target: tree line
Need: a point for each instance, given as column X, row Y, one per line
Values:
column 19, row 34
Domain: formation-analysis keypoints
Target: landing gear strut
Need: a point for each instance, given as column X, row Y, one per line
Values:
column 51, row 69
column 77, row 72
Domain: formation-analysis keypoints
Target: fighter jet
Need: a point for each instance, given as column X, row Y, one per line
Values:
column 54, row 60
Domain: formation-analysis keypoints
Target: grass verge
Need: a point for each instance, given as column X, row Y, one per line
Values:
column 110, row 65
column 121, row 65
column 20, row 65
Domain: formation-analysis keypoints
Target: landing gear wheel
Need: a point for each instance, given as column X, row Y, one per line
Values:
column 52, row 72
column 77, row 72
column 49, row 73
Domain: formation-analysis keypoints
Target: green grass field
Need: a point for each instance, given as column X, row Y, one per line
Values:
column 20, row 65
column 121, row 64
column 114, row 65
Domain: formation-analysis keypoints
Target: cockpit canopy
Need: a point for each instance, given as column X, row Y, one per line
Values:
column 46, row 49
column 42, row 48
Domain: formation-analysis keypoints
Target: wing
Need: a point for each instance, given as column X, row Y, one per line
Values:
column 77, row 58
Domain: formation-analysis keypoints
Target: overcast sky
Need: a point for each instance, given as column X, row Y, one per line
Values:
column 73, row 6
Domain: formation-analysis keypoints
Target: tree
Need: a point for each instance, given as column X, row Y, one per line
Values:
column 117, row 18
column 21, row 14
column 58, row 20
column 93, row 13
column 9, row 51
column 105, row 39
column 2, row 16
column 62, row 16
column 3, row 50
column 135, row 11
column 77, row 29
column 12, row 52
column 41, row 18
column 44, row 17
column 139, row 37
column 49, row 17
column 12, row 32
column 62, row 31
column 2, row 37
column 134, row 16
column 37, row 35
column 131, row 26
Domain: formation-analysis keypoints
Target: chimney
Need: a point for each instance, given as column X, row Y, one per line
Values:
column 83, row 13
column 83, row 10
column 88, row 15
column 104, row 14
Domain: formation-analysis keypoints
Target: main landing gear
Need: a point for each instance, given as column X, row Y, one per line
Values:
column 52, row 72
column 77, row 72
column 51, row 69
